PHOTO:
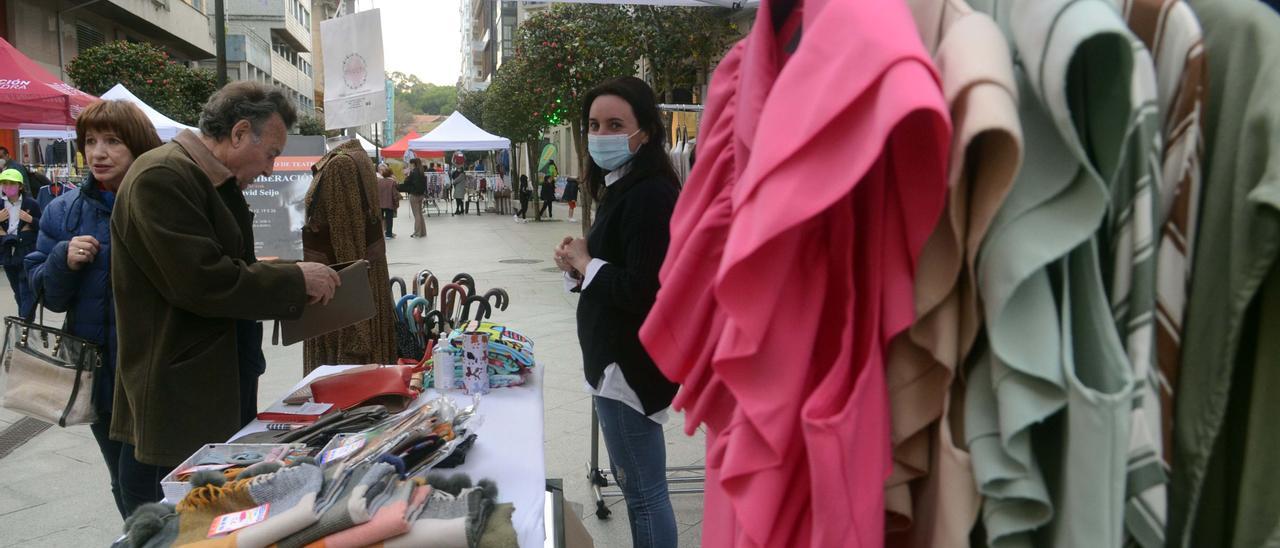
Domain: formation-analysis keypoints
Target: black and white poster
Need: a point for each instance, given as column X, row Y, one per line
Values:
column 277, row 201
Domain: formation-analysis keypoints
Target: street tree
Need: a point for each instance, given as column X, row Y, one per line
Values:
column 569, row 49
column 174, row 90
column 681, row 44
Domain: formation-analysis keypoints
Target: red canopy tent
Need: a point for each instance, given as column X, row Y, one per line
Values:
column 397, row 150
column 31, row 98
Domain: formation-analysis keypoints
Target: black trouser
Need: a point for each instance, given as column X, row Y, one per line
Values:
column 388, row 217
column 460, row 203
column 139, row 482
column 524, row 207
column 111, row 454
column 546, row 208
column 252, row 364
column 21, row 295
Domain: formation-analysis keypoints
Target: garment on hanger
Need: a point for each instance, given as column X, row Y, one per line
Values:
column 798, row 441
column 1089, row 119
column 1225, row 490
column 1172, row 33
column 932, row 479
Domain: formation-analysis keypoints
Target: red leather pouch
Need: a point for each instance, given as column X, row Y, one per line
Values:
column 387, row 386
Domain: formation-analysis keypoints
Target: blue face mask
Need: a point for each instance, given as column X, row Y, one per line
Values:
column 610, row 151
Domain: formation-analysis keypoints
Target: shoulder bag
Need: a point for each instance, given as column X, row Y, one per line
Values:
column 49, row 372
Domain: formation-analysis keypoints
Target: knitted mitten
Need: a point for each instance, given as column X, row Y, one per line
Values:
column 291, row 493
column 152, row 525
column 450, row 516
column 349, row 508
column 389, row 520
column 499, row 531
column 210, row 499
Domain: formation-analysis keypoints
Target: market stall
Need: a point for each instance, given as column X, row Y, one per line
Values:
column 166, row 127
column 508, row 446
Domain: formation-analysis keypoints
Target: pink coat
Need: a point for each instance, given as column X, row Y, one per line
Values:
column 820, row 176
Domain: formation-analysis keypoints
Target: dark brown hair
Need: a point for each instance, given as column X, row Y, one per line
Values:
column 122, row 118
column 651, row 159
column 245, row 100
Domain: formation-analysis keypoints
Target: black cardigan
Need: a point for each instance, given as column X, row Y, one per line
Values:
column 631, row 232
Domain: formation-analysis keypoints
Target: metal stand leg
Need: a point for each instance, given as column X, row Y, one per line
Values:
column 594, row 475
column 681, row 480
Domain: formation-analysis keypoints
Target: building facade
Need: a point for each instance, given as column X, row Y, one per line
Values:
column 270, row 41
column 53, row 32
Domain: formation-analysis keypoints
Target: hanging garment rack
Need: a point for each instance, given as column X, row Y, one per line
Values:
column 680, row 107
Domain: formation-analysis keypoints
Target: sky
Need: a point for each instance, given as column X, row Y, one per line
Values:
column 420, row 37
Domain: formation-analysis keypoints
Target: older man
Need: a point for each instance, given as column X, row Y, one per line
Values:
column 183, row 274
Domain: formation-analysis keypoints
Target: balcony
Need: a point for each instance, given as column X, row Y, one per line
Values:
column 276, row 15
column 184, row 27
column 290, row 76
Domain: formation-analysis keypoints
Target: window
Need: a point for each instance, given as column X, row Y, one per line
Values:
column 88, row 37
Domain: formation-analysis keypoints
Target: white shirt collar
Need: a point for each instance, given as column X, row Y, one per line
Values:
column 613, row 176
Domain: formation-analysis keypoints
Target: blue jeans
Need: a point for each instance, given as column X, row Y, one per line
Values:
column 638, row 456
column 111, row 454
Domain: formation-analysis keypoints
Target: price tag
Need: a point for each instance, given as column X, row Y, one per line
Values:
column 234, row 521
column 349, row 446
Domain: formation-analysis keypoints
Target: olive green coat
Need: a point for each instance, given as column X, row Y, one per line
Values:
column 180, row 230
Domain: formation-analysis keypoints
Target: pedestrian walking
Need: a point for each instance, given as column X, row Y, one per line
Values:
column 458, row 186
column 415, row 185
column 526, row 194
column 388, row 199
column 570, row 196
column 548, row 195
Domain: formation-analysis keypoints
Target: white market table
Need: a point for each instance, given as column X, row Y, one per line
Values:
column 508, row 447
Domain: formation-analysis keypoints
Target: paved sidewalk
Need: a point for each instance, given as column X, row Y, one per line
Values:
column 54, row 489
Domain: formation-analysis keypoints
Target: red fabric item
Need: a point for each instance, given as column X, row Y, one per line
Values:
column 386, row 385
column 31, row 98
column 819, row 178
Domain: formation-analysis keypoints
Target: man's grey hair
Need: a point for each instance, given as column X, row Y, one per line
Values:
column 245, row 100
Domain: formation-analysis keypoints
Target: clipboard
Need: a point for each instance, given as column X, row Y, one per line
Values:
column 352, row 303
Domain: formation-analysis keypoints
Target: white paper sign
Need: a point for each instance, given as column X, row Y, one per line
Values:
column 355, row 92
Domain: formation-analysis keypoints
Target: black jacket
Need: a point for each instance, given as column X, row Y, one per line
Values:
column 414, row 183
column 547, row 192
column 631, row 232
column 13, row 249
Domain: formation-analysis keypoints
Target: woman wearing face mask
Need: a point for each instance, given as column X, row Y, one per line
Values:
column 71, row 267
column 616, row 270
column 20, row 219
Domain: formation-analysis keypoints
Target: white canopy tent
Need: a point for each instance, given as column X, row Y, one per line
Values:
column 62, row 134
column 368, row 147
column 166, row 127
column 458, row 133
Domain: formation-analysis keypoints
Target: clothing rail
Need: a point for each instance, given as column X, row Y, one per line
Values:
column 680, row 107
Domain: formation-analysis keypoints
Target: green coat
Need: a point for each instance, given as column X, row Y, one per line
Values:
column 180, row 281
column 1225, row 489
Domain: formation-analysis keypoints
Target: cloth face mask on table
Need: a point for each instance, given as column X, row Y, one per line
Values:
column 610, row 151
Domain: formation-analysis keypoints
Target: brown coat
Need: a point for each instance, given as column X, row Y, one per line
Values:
column 180, row 230
column 344, row 224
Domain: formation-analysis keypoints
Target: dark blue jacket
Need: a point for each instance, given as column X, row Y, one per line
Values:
column 85, row 293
